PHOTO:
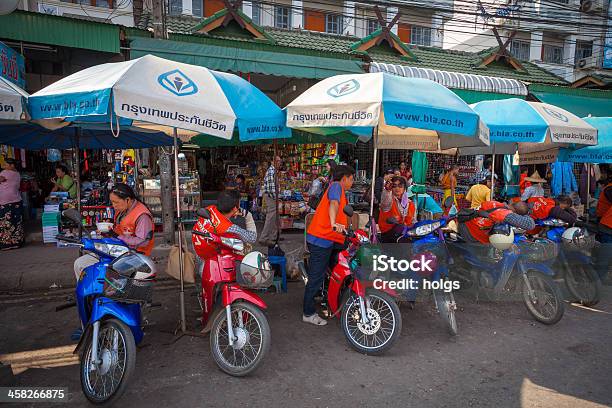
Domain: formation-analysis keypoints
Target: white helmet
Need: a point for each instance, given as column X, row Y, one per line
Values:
column 571, row 234
column 255, row 271
column 577, row 238
column 501, row 237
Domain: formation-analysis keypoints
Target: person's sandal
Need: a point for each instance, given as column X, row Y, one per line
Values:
column 314, row 319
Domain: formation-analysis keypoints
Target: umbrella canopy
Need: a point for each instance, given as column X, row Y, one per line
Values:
column 601, row 153
column 297, row 137
column 515, row 120
column 34, row 137
column 12, row 101
column 396, row 106
column 163, row 92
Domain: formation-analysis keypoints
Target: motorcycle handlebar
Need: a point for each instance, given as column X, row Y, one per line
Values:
column 68, row 239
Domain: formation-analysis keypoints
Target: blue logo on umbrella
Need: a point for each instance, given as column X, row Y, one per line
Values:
column 343, row 88
column 555, row 114
column 177, row 83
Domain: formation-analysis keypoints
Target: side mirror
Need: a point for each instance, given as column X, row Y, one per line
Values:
column 204, row 213
column 73, row 215
column 392, row 221
column 348, row 210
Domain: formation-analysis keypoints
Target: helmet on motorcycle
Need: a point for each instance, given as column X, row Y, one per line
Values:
column 577, row 238
column 134, row 266
column 501, row 236
column 255, row 271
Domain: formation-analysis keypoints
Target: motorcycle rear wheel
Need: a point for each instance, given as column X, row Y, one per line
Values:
column 385, row 326
column 546, row 305
column 583, row 283
column 117, row 350
column 446, row 306
column 244, row 357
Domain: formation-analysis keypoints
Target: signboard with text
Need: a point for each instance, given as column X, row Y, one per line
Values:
column 13, row 65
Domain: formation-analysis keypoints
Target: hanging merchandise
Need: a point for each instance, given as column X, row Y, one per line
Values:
column 511, row 177
column 54, row 155
column 419, row 168
column 563, row 179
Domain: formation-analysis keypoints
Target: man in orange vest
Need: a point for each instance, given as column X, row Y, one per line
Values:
column 395, row 203
column 541, row 208
column 490, row 213
column 325, row 239
column 226, row 217
column 604, row 213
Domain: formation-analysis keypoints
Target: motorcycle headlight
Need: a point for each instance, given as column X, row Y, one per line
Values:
column 233, row 243
column 424, row 229
column 112, row 250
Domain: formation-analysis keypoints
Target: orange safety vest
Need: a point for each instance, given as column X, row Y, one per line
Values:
column 479, row 227
column 395, row 212
column 604, row 208
column 523, row 184
column 218, row 224
column 448, row 181
column 540, row 207
column 127, row 225
column 320, row 226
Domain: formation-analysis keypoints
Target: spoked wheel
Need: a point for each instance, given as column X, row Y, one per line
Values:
column 383, row 327
column 583, row 283
column 251, row 339
column 105, row 382
column 446, row 306
column 542, row 297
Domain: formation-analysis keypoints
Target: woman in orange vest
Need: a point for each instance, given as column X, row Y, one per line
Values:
column 133, row 225
column 133, row 220
column 448, row 181
column 395, row 203
column 325, row 239
column 476, row 230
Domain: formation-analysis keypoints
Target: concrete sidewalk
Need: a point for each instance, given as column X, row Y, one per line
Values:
column 39, row 266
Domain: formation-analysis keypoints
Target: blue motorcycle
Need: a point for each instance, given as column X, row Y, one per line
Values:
column 109, row 297
column 427, row 237
column 574, row 260
column 523, row 268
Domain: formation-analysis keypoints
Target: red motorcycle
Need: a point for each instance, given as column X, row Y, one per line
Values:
column 239, row 330
column 370, row 318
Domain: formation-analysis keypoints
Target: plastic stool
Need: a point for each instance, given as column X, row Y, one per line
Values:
column 281, row 261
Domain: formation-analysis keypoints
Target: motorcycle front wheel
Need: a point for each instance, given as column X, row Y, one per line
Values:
column 384, row 322
column 251, row 339
column 544, row 301
column 583, row 283
column 446, row 306
column 105, row 382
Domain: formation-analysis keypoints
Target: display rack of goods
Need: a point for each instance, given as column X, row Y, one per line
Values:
column 189, row 186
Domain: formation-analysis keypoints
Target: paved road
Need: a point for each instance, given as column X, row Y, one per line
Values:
column 501, row 358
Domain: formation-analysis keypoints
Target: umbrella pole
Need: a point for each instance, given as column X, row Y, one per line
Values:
column 77, row 131
column 588, row 192
column 374, row 140
column 492, row 176
column 180, row 233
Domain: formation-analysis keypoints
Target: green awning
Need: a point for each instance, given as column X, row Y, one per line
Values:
column 297, row 137
column 61, row 31
column 580, row 102
column 235, row 59
column 470, row 96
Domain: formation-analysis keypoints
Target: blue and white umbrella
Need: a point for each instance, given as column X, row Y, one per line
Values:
column 601, row 153
column 400, row 109
column 163, row 92
column 12, row 101
column 515, row 120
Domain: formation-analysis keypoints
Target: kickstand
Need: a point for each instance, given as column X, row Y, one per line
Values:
column 178, row 334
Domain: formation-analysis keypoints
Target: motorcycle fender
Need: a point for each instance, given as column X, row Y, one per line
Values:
column 85, row 337
column 358, row 288
column 539, row 267
column 127, row 313
column 233, row 293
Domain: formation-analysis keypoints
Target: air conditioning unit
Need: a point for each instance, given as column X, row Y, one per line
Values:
column 586, row 63
column 48, row 9
column 592, row 6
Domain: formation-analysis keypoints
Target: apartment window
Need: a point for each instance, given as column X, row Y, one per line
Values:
column 552, row 54
column 256, row 13
column 373, row 25
column 520, row 49
column 196, row 8
column 175, row 7
column 420, row 36
column 333, row 24
column 95, row 3
column 584, row 49
column 282, row 17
